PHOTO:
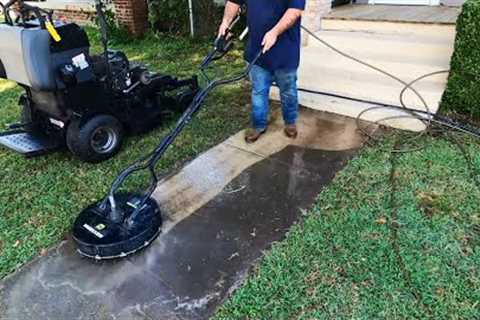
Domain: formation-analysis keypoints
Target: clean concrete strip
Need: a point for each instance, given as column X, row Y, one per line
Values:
column 203, row 179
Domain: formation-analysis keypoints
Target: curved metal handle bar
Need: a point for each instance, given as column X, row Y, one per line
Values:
column 10, row 3
column 23, row 8
column 151, row 159
column 6, row 11
column 36, row 11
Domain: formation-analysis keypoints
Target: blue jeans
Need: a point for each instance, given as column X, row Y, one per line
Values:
column 262, row 81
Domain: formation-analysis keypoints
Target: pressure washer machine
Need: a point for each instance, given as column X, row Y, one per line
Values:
column 73, row 99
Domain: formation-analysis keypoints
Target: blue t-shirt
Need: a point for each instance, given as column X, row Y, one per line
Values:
column 262, row 16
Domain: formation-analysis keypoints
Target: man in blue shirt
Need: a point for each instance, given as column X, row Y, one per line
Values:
column 275, row 30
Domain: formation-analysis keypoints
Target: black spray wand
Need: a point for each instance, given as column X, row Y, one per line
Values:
column 149, row 161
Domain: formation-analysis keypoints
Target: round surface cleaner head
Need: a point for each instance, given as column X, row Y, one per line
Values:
column 98, row 237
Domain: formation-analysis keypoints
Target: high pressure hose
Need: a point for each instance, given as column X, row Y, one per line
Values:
column 368, row 65
column 425, row 116
column 397, row 149
column 148, row 161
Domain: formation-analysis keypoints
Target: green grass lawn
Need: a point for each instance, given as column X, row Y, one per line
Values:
column 353, row 257
column 40, row 197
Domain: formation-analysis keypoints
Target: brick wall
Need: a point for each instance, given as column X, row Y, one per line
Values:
column 81, row 12
column 312, row 17
column 79, row 16
column 133, row 14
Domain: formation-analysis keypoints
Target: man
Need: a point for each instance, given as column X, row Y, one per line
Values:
column 275, row 29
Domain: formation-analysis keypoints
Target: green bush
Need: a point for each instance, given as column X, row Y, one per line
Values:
column 117, row 34
column 173, row 15
column 168, row 15
column 463, row 89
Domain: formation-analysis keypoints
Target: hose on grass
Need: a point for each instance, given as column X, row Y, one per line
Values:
column 435, row 124
column 425, row 116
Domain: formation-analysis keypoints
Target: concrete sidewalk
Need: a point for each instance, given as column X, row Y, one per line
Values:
column 222, row 211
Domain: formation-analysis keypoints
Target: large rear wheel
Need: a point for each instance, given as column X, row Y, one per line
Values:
column 95, row 140
column 28, row 119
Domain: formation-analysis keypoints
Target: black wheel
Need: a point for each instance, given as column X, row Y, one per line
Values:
column 28, row 120
column 95, row 140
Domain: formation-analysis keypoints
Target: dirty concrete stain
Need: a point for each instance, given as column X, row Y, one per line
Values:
column 210, row 252
column 224, row 209
column 66, row 286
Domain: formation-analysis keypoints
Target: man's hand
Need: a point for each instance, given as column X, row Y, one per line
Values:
column 288, row 20
column 269, row 40
column 231, row 11
column 222, row 31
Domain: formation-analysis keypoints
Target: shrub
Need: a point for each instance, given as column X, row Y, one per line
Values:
column 463, row 89
column 168, row 15
column 117, row 34
column 173, row 15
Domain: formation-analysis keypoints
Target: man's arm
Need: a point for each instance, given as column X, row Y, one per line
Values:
column 231, row 10
column 288, row 20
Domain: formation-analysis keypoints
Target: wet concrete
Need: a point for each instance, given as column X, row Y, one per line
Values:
column 224, row 209
column 203, row 179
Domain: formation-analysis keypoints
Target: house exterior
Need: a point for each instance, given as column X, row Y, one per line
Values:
column 133, row 13
column 409, row 41
column 319, row 8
